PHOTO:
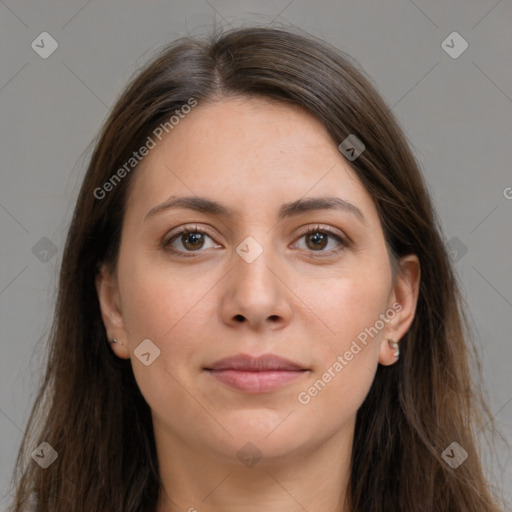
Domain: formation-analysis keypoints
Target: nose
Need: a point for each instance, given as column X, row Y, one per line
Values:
column 256, row 291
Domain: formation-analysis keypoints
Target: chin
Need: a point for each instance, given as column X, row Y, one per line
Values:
column 265, row 433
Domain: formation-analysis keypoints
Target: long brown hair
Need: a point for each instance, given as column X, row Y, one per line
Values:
column 89, row 407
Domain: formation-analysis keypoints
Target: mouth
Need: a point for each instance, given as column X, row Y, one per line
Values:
column 253, row 375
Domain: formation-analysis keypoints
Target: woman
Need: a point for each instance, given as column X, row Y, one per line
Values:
column 256, row 307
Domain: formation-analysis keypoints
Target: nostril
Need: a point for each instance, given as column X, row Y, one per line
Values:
column 239, row 318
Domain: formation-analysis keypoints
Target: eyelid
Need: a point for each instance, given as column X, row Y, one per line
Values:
column 190, row 228
column 322, row 227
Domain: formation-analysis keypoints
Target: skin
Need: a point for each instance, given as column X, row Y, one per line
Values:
column 252, row 155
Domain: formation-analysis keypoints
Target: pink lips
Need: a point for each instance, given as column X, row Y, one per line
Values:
column 255, row 374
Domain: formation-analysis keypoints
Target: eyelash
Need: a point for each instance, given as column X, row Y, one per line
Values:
column 166, row 243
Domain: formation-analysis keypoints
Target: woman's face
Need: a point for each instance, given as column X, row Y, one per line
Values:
column 248, row 281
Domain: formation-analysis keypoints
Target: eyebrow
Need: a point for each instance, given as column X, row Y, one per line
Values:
column 208, row 206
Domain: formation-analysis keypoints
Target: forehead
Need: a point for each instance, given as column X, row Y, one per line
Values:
column 250, row 151
column 252, row 130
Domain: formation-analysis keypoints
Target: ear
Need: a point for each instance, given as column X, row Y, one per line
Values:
column 403, row 301
column 111, row 312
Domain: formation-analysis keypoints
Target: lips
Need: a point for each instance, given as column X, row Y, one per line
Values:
column 249, row 363
column 251, row 374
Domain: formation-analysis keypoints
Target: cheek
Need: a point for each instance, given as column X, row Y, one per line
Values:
column 346, row 358
column 171, row 309
column 347, row 303
column 348, row 338
column 158, row 300
column 167, row 309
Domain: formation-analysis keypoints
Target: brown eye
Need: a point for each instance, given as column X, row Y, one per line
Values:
column 322, row 240
column 192, row 240
column 317, row 240
column 188, row 241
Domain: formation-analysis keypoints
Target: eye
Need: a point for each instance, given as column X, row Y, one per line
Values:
column 318, row 238
column 191, row 239
column 188, row 240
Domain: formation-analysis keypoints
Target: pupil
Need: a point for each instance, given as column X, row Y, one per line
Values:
column 193, row 239
column 319, row 238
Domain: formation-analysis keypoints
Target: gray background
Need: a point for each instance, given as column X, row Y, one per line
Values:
column 456, row 112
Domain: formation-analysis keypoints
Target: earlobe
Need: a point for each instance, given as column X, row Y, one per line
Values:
column 389, row 352
column 108, row 297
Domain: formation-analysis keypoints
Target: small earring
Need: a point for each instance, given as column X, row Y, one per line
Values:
column 394, row 344
column 113, row 341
